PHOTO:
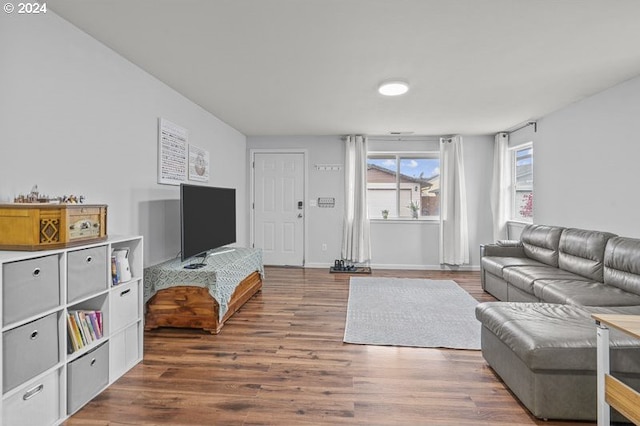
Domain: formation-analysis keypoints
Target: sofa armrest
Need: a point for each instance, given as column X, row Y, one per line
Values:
column 509, row 243
column 501, row 250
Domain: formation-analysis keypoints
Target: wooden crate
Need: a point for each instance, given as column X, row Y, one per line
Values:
column 39, row 226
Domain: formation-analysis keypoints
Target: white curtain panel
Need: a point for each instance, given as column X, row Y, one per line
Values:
column 356, row 242
column 454, row 234
column 501, row 187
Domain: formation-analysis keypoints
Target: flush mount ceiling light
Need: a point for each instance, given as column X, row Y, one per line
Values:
column 393, row 88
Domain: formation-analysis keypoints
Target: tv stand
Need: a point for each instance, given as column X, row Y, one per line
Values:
column 203, row 298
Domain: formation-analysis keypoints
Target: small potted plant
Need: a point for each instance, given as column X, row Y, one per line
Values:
column 385, row 214
column 415, row 208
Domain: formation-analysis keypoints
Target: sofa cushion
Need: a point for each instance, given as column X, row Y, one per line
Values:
column 549, row 336
column 582, row 252
column 622, row 264
column 583, row 293
column 495, row 265
column 540, row 242
column 523, row 277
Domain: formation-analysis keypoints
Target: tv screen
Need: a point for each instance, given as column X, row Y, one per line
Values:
column 207, row 218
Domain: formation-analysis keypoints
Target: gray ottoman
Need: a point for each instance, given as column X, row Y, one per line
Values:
column 546, row 354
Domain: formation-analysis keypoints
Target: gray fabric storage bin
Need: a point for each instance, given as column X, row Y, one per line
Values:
column 86, row 376
column 30, row 287
column 86, row 272
column 36, row 403
column 29, row 350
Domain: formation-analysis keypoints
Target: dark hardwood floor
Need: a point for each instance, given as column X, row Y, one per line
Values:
column 280, row 360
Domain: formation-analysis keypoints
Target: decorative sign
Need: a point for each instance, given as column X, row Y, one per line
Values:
column 198, row 164
column 172, row 153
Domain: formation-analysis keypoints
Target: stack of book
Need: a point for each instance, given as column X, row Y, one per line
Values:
column 85, row 327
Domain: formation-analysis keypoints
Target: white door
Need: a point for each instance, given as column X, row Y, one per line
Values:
column 279, row 207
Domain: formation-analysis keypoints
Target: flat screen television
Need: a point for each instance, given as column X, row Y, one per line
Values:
column 207, row 220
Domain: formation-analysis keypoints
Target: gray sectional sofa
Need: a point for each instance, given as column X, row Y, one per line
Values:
column 540, row 339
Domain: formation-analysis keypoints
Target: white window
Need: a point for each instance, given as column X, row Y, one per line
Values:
column 522, row 185
column 403, row 185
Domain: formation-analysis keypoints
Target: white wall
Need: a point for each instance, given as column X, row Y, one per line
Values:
column 77, row 118
column 586, row 169
column 401, row 245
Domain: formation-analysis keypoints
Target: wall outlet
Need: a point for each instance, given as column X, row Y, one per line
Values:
column 324, row 247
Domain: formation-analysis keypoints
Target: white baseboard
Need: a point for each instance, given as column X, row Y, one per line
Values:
column 318, row 265
column 405, row 267
column 426, row 267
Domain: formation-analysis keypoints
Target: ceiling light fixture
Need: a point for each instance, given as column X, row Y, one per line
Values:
column 393, row 88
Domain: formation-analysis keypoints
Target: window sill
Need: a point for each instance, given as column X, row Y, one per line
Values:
column 519, row 222
column 405, row 221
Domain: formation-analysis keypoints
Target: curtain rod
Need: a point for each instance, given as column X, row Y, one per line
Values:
column 394, row 138
column 403, row 138
column 527, row 124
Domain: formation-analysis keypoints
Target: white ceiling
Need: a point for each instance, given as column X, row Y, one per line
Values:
column 311, row 67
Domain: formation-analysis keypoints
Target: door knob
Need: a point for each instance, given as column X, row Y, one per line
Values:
column 299, row 215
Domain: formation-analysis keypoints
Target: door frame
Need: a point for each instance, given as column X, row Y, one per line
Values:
column 305, row 191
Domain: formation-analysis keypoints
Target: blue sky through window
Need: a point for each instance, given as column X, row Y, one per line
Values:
column 413, row 167
column 524, row 156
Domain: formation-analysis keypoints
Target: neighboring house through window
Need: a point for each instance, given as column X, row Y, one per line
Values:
column 403, row 185
column 522, row 161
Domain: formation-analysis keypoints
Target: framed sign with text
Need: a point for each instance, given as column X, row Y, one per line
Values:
column 172, row 153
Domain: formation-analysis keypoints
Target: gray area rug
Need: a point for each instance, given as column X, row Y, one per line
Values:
column 411, row 312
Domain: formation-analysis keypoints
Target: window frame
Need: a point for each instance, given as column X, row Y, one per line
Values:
column 514, row 187
column 398, row 156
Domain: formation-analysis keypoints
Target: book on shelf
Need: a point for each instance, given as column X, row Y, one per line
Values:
column 87, row 322
column 85, row 327
column 93, row 318
column 73, row 339
column 83, row 332
column 76, row 331
column 99, row 318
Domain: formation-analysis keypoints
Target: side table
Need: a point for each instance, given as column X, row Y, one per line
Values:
column 611, row 391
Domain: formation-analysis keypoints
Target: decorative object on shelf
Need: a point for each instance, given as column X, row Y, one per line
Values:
column 35, row 197
column 72, row 199
column 385, row 214
column 120, row 271
column 47, row 226
column 415, row 208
